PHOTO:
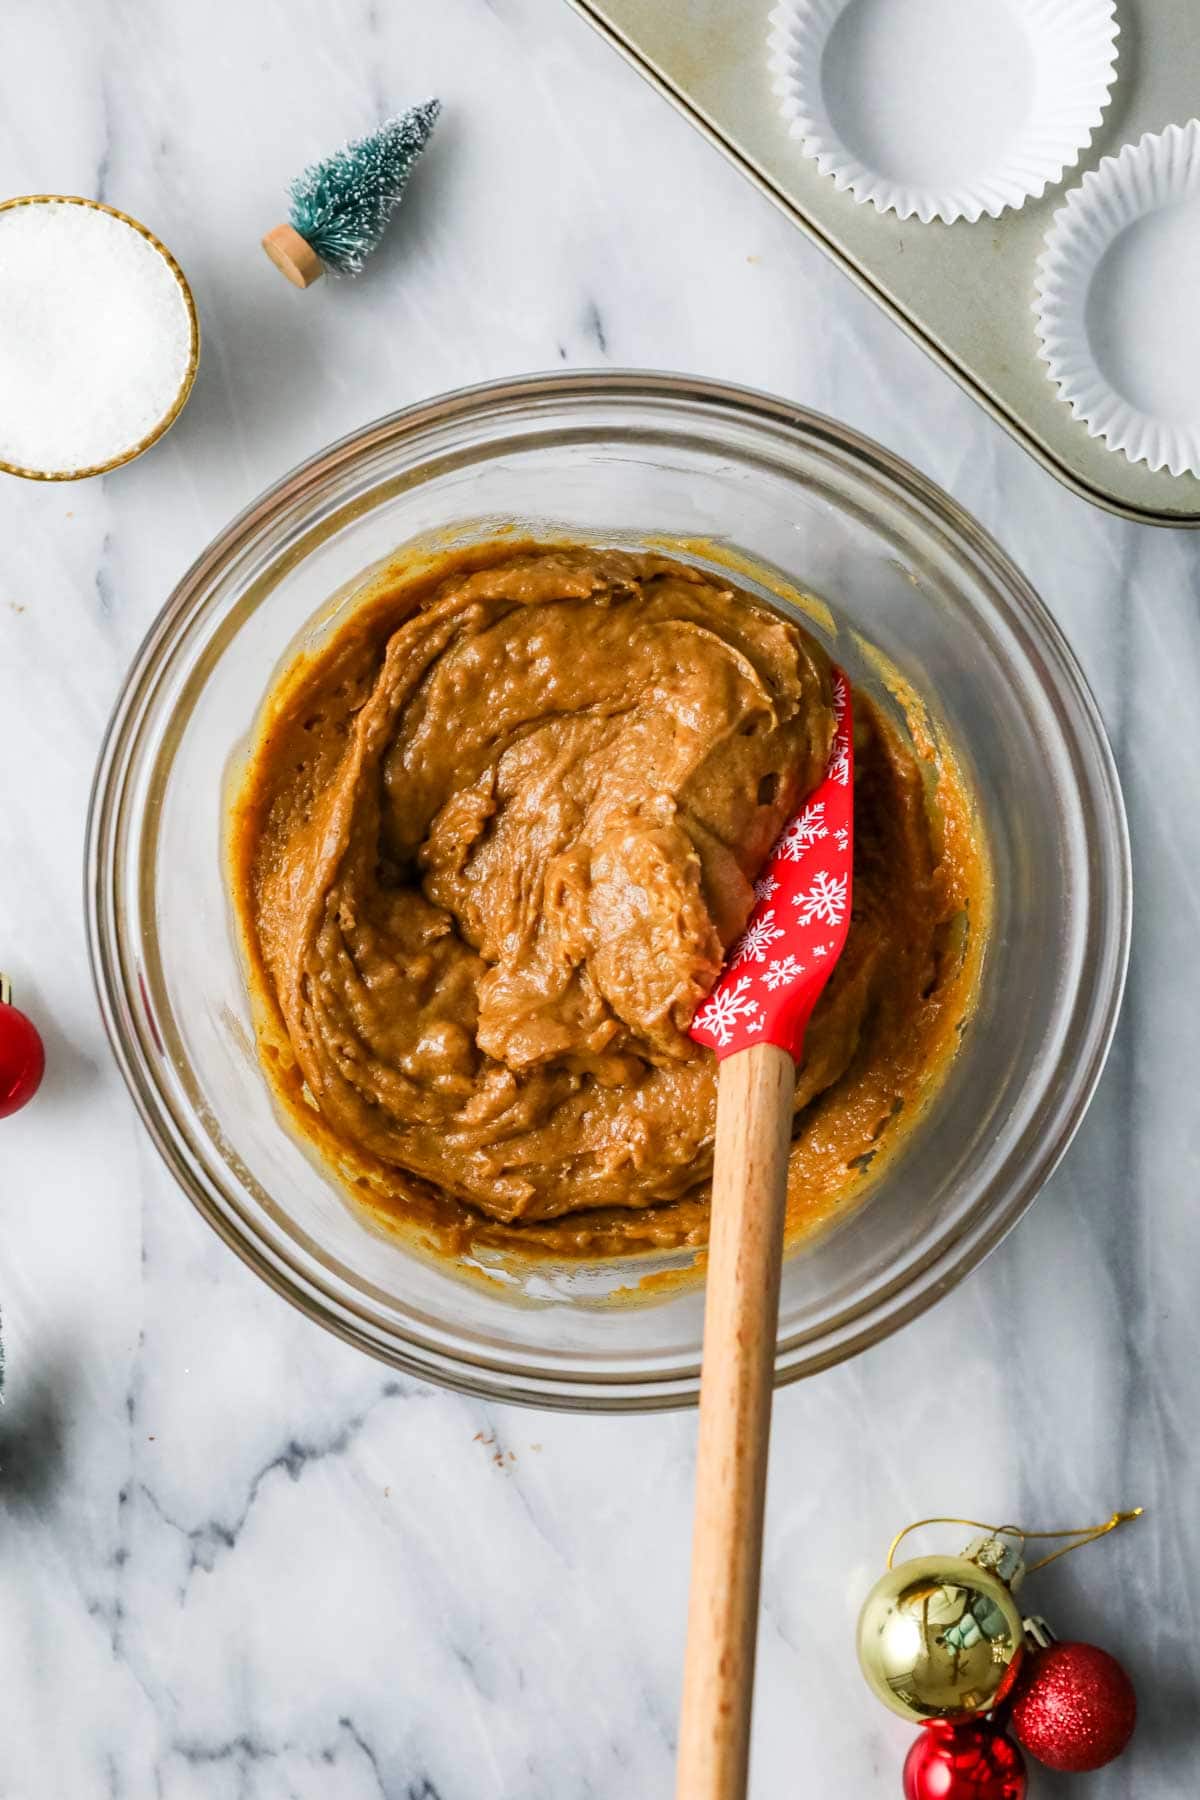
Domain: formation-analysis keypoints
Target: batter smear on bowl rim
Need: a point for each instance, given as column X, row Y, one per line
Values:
column 493, row 841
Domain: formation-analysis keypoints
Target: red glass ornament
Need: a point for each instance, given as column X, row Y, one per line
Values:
column 22, row 1058
column 1076, row 1708
column 971, row 1761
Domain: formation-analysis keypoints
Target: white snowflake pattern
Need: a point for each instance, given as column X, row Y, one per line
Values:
column 841, row 838
column 756, row 940
column 781, row 972
column 723, row 1009
column 839, row 765
column 765, row 886
column 841, row 693
column 819, row 950
column 756, row 1024
column 803, row 832
column 825, row 899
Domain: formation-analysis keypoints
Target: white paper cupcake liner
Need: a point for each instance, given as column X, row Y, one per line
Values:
column 943, row 109
column 1119, row 300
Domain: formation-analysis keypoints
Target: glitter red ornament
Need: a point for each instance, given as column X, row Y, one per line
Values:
column 1075, row 1709
column 971, row 1761
column 22, row 1058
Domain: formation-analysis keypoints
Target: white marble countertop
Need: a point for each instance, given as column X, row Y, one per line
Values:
column 239, row 1559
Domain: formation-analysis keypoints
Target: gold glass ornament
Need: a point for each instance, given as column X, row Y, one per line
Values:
column 940, row 1637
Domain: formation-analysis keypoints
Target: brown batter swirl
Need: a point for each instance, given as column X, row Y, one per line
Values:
column 492, row 845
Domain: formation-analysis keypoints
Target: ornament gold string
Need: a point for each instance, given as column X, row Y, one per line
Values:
column 1085, row 1534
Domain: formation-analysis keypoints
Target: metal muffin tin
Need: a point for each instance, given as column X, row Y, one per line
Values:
column 963, row 292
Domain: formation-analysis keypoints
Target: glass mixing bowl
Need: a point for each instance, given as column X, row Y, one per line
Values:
column 609, row 457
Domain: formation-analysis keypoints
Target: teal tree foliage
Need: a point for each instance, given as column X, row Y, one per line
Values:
column 341, row 206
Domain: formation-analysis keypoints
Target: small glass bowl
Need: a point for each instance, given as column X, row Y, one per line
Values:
column 614, row 457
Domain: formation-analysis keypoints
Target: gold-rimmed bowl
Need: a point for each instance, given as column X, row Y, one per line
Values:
column 177, row 405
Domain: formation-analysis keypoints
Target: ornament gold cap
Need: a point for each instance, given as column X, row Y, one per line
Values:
column 293, row 256
column 1000, row 1556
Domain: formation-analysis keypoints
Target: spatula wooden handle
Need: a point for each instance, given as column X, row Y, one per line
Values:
column 755, row 1098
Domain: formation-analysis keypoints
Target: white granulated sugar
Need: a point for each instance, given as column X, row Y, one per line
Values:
column 95, row 337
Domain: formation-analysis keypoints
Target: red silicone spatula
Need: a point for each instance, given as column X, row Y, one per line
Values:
column 755, row 1019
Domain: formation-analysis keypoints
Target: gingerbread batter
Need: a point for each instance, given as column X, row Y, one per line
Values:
column 491, row 847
